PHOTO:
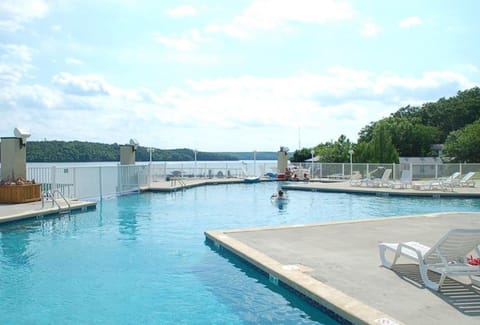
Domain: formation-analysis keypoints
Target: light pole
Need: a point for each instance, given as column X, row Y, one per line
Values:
column 254, row 162
column 150, row 150
column 311, row 166
column 351, row 162
column 195, row 164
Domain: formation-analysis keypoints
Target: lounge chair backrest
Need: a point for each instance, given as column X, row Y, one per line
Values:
column 453, row 176
column 406, row 176
column 386, row 174
column 467, row 177
column 454, row 246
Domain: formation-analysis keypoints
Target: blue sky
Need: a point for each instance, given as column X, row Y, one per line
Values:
column 227, row 75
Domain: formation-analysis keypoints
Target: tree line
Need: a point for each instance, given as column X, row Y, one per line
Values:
column 452, row 125
column 81, row 151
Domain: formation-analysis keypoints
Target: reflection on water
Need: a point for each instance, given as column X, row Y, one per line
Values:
column 127, row 221
column 14, row 244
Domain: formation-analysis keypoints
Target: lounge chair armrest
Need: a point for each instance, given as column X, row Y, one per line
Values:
column 418, row 249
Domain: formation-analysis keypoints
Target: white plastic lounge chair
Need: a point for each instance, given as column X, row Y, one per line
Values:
column 356, row 179
column 405, row 180
column 380, row 182
column 448, row 256
column 443, row 184
column 451, row 181
column 467, row 180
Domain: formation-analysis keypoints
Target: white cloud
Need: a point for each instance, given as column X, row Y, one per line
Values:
column 370, row 29
column 20, row 53
column 322, row 104
column 73, row 61
column 15, row 13
column 410, row 21
column 15, row 62
column 182, row 11
column 85, row 85
column 275, row 14
column 186, row 42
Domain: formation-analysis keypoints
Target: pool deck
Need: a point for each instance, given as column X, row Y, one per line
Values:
column 345, row 187
column 14, row 212
column 338, row 266
column 186, row 183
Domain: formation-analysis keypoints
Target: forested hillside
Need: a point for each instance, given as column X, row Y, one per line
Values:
column 78, row 151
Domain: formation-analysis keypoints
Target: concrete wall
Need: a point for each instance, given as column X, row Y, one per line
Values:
column 14, row 158
column 282, row 162
column 127, row 154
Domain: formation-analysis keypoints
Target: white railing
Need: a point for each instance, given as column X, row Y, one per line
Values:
column 105, row 181
column 419, row 171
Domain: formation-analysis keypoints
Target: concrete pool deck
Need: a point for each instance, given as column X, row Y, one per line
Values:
column 338, row 265
column 345, row 187
column 14, row 212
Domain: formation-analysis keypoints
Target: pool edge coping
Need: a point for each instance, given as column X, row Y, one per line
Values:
column 347, row 307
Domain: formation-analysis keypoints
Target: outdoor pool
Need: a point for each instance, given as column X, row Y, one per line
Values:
column 142, row 258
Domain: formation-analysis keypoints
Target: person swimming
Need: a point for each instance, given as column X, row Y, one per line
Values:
column 279, row 195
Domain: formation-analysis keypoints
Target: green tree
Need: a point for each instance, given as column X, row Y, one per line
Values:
column 335, row 152
column 363, row 152
column 410, row 138
column 301, row 155
column 383, row 150
column 380, row 149
column 463, row 145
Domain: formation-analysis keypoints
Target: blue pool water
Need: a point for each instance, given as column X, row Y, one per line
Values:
column 142, row 258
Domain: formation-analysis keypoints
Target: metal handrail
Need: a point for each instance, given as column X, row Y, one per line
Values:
column 51, row 195
column 174, row 180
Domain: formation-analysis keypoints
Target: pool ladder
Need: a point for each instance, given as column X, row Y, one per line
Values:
column 174, row 180
column 50, row 195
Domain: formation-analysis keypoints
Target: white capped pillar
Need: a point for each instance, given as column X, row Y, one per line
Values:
column 127, row 154
column 282, row 162
column 14, row 158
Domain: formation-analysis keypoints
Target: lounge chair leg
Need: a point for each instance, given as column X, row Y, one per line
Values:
column 429, row 283
column 383, row 258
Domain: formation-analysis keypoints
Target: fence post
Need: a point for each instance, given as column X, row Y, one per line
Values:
column 100, row 182
column 74, row 182
column 150, row 175
column 54, row 182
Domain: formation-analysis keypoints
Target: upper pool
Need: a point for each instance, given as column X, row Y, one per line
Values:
column 142, row 258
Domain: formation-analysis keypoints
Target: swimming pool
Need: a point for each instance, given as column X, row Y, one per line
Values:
column 142, row 258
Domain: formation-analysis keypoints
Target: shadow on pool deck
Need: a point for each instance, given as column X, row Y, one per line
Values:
column 463, row 297
column 338, row 265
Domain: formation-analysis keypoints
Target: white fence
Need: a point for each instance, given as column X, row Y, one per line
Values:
column 419, row 171
column 104, row 181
